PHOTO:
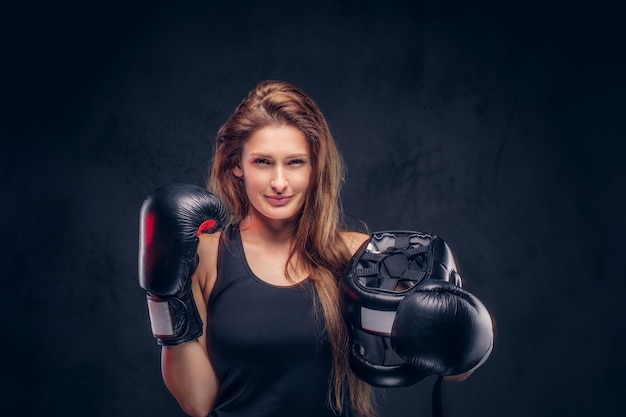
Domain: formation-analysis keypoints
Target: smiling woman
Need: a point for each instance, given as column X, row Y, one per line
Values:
column 272, row 339
column 276, row 170
column 250, row 317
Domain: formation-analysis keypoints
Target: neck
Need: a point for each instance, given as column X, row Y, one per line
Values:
column 268, row 230
column 276, row 239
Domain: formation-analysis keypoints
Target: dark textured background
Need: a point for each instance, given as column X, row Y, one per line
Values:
column 497, row 126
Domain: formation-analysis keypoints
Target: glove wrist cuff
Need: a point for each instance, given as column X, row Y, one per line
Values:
column 174, row 320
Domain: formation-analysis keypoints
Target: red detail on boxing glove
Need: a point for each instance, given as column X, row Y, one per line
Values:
column 206, row 227
column 148, row 231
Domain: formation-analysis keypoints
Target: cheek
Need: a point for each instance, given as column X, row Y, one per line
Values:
column 248, row 185
column 304, row 180
column 253, row 183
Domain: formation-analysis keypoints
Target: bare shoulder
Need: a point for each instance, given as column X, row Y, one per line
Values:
column 354, row 240
column 206, row 273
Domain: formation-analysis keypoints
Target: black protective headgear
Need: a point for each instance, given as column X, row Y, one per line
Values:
column 384, row 271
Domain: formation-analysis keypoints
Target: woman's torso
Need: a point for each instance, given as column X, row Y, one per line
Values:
column 267, row 343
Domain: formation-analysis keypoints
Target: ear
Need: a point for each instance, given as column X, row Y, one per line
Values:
column 238, row 171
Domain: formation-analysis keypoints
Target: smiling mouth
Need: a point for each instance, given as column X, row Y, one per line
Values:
column 278, row 200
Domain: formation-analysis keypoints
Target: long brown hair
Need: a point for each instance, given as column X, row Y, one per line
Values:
column 317, row 241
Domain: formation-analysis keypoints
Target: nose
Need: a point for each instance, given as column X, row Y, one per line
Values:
column 279, row 182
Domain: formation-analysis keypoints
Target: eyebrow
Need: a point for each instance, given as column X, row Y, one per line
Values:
column 266, row 155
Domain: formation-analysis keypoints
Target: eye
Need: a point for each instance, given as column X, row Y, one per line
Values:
column 262, row 161
column 297, row 162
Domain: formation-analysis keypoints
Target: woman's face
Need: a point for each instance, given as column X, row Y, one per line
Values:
column 276, row 170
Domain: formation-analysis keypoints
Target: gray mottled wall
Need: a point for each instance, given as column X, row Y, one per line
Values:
column 498, row 127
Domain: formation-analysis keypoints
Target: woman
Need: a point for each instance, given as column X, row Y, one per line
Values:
column 274, row 342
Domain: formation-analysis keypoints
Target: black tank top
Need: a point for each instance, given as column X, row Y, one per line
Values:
column 270, row 353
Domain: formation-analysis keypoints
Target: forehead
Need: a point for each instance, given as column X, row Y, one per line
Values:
column 277, row 140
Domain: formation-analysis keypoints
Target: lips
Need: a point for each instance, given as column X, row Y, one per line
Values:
column 278, row 201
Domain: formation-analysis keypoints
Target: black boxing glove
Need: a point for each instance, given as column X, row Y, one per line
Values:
column 171, row 221
column 442, row 329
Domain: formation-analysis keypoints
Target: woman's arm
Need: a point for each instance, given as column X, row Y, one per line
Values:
column 186, row 368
